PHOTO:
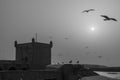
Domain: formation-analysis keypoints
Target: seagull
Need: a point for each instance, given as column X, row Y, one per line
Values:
column 108, row 18
column 70, row 61
column 86, row 47
column 99, row 56
column 66, row 38
column 77, row 62
column 88, row 10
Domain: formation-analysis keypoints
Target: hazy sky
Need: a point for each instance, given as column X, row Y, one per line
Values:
column 62, row 22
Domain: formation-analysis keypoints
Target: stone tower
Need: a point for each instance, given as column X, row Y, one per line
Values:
column 36, row 54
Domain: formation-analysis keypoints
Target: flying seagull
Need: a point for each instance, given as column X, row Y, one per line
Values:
column 88, row 10
column 99, row 56
column 77, row 62
column 86, row 47
column 66, row 38
column 70, row 61
column 108, row 18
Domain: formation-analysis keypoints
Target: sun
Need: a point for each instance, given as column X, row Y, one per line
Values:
column 92, row 29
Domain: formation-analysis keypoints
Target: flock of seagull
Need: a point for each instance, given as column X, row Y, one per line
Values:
column 106, row 18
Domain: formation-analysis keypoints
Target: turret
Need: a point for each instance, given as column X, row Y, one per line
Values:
column 33, row 40
column 51, row 44
column 15, row 43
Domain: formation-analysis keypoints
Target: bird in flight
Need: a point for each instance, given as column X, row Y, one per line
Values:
column 86, row 47
column 77, row 62
column 99, row 56
column 108, row 18
column 66, row 38
column 88, row 10
column 70, row 61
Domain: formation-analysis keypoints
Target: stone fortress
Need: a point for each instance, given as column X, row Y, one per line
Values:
column 33, row 62
column 32, row 55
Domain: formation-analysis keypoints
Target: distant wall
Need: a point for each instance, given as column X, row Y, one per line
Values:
column 65, row 72
column 28, row 75
column 74, row 72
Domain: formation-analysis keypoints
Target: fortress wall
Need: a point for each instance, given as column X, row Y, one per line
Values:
column 28, row 75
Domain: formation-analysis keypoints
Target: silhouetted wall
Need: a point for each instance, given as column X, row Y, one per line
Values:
column 74, row 72
column 28, row 75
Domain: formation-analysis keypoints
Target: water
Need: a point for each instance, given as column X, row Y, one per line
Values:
column 115, row 75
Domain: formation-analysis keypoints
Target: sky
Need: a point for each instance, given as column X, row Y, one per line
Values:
column 63, row 22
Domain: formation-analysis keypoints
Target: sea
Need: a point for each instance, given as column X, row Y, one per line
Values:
column 115, row 75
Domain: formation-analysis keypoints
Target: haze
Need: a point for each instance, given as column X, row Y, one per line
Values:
column 62, row 22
